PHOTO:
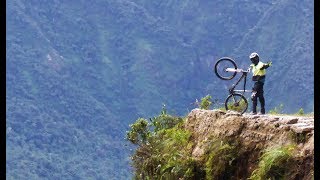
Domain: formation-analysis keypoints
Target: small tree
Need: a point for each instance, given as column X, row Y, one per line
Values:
column 164, row 120
column 205, row 102
column 139, row 132
column 300, row 112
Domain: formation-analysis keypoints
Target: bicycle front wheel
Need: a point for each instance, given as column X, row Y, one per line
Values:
column 236, row 102
column 220, row 68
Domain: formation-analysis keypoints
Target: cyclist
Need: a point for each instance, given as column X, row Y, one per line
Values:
column 259, row 76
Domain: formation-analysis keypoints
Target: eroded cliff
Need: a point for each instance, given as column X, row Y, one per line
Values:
column 254, row 136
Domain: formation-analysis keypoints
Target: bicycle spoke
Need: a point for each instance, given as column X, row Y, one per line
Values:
column 236, row 102
column 221, row 68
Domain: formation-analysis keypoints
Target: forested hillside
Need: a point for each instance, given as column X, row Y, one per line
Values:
column 78, row 72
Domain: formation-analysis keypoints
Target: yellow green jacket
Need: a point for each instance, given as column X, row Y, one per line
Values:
column 257, row 70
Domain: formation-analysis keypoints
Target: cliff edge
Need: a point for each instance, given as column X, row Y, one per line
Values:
column 256, row 134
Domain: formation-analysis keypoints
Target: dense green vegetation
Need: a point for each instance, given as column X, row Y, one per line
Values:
column 220, row 162
column 163, row 149
column 78, row 72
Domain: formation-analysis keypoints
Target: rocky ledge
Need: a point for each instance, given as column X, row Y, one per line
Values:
column 256, row 132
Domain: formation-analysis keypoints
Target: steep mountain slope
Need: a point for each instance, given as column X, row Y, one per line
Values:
column 79, row 71
column 285, row 35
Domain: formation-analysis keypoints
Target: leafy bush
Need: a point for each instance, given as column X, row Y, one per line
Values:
column 139, row 132
column 274, row 164
column 300, row 112
column 277, row 110
column 219, row 162
column 164, row 150
column 164, row 120
column 176, row 152
column 205, row 102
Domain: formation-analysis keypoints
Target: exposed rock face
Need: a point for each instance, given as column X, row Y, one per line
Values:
column 256, row 132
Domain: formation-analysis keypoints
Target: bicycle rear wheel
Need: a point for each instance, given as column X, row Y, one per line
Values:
column 236, row 102
column 220, row 68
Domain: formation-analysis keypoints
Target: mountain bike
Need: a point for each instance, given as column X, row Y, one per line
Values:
column 226, row 69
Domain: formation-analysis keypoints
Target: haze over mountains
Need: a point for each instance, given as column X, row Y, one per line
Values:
column 78, row 72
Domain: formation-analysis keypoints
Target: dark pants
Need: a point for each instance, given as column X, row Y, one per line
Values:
column 258, row 87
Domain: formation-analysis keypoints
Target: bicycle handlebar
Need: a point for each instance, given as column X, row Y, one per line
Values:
column 238, row 70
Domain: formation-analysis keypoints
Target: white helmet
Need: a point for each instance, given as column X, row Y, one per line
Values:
column 253, row 55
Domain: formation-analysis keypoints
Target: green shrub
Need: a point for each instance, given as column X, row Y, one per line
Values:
column 277, row 110
column 139, row 132
column 176, row 152
column 300, row 112
column 164, row 120
column 164, row 150
column 205, row 102
column 274, row 164
column 220, row 159
column 167, row 155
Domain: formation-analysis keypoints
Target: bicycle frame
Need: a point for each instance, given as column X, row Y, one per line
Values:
column 243, row 76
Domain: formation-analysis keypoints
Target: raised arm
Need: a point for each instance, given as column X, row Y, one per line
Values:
column 266, row 65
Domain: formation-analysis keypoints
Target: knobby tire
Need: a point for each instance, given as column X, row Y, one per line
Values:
column 236, row 102
column 220, row 68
